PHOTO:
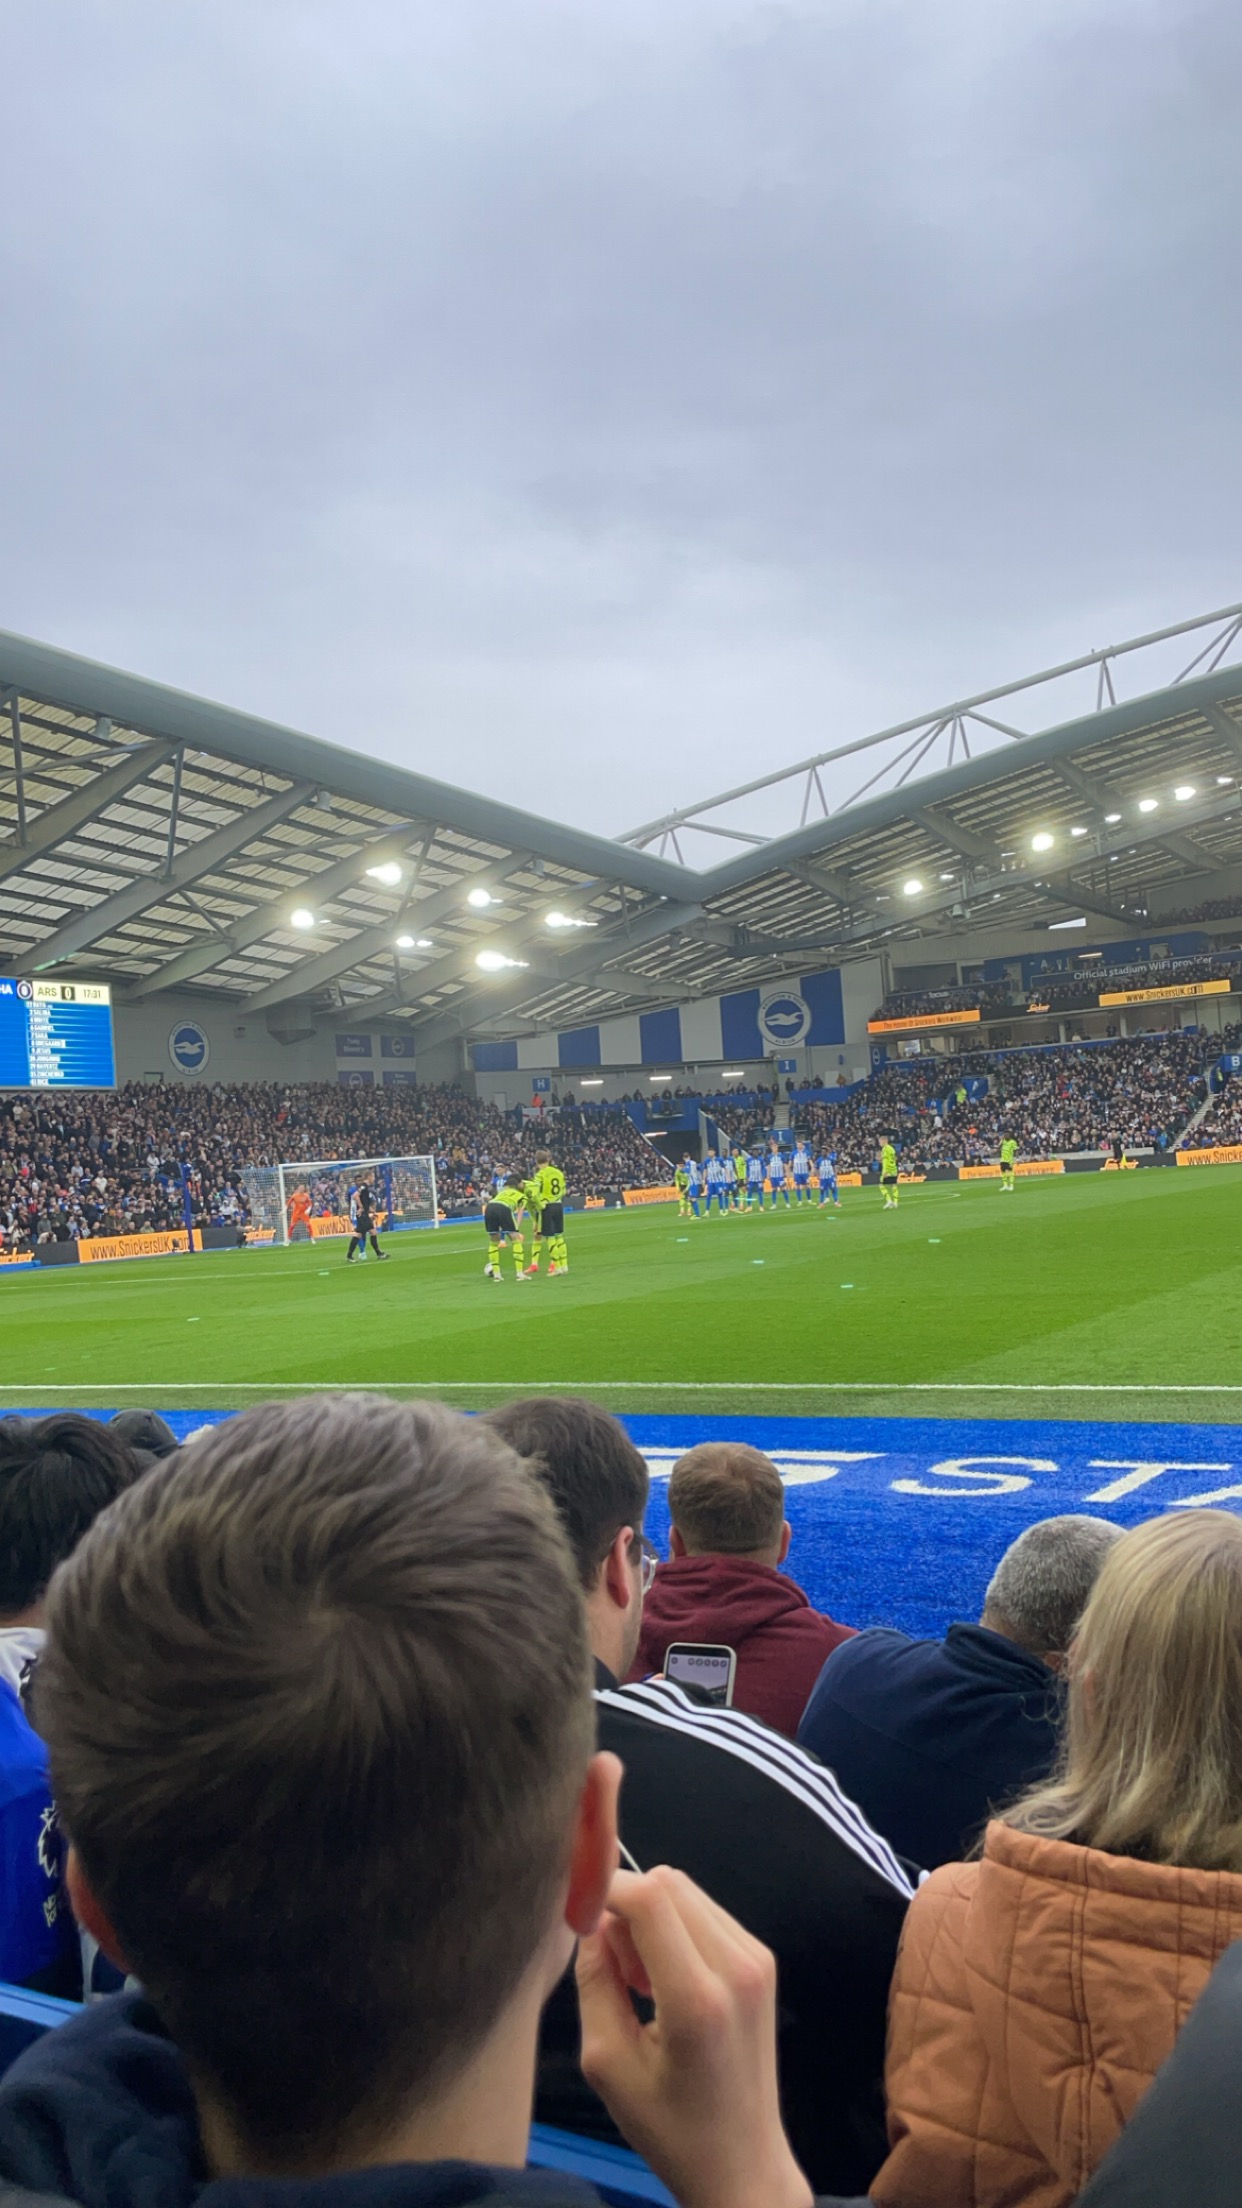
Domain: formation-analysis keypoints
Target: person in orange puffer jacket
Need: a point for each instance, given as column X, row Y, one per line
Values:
column 1038, row 1990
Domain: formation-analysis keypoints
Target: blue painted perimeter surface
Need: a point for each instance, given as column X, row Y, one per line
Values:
column 900, row 1521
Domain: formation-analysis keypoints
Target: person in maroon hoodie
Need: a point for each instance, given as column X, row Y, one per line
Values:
column 723, row 1583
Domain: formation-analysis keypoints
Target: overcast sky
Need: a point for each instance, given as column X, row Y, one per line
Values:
column 597, row 402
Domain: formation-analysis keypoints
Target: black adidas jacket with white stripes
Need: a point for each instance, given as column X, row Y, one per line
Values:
column 763, row 1826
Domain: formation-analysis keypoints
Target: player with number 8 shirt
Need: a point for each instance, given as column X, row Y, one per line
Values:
column 547, row 1190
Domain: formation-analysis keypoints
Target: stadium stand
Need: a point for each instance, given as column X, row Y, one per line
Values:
column 1058, row 1099
column 110, row 1164
column 1076, row 990
column 169, row 845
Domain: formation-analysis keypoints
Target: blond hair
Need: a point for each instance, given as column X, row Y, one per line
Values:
column 1151, row 1764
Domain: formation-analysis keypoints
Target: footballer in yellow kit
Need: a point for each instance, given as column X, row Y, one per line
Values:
column 547, row 1184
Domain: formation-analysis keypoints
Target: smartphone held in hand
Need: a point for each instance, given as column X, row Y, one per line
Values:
column 705, row 1668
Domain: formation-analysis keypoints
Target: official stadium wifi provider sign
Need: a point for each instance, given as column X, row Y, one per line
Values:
column 1161, row 996
column 927, row 1019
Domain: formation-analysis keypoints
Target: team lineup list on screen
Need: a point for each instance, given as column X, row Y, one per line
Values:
column 56, row 1035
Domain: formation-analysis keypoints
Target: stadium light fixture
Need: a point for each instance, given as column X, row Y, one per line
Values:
column 479, row 898
column 1080, row 831
column 592, row 1084
column 1223, row 781
column 423, row 943
column 1111, row 819
column 568, row 920
column 1053, row 925
column 301, row 918
column 389, row 874
column 1148, row 804
column 948, row 877
column 912, row 888
column 405, row 942
column 1043, row 841
column 732, row 1073
column 1184, row 792
column 494, row 962
column 659, row 1076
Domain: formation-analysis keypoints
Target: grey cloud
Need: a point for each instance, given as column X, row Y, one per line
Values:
column 602, row 403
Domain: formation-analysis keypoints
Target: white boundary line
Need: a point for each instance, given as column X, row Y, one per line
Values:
column 676, row 1387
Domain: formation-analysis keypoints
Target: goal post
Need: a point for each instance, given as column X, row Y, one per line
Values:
column 307, row 1199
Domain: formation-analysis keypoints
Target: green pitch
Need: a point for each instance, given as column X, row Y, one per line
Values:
column 1114, row 1296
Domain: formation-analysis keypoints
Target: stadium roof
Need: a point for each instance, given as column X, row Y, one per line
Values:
column 166, row 842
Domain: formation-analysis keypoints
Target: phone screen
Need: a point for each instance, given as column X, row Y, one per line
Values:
column 708, row 1670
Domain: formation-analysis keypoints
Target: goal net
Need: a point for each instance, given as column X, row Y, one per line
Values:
column 309, row 1198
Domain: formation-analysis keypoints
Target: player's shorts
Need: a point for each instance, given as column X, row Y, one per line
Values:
column 498, row 1219
column 552, row 1219
column 802, row 1180
column 888, row 1180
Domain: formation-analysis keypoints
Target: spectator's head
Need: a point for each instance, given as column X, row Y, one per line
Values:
column 317, row 1699
column 1152, row 1759
column 599, row 1485
column 147, row 1434
column 726, row 1499
column 1040, row 1588
column 56, row 1475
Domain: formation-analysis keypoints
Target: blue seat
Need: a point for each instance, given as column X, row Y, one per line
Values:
column 620, row 2177
column 617, row 2175
column 24, row 2017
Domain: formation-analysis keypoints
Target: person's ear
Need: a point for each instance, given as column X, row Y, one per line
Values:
column 595, row 1853
column 786, row 1538
column 617, row 1571
column 676, row 1546
column 90, row 1913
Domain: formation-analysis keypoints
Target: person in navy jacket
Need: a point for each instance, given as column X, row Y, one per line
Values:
column 929, row 1737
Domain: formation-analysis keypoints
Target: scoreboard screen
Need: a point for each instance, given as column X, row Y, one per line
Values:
column 56, row 1035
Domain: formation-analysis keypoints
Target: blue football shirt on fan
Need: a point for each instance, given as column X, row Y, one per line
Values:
column 35, row 1924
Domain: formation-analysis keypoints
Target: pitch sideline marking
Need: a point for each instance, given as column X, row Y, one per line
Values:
column 683, row 1387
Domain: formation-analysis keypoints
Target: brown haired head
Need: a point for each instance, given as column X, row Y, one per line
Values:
column 726, row 1499
column 317, row 1698
column 591, row 1469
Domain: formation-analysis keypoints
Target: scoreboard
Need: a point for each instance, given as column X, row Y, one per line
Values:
column 56, row 1035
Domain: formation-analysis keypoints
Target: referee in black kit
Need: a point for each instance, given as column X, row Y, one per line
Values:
column 364, row 1227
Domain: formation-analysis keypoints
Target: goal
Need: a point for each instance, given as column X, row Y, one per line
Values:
column 310, row 1198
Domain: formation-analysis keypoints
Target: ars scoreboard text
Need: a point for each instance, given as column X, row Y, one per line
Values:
column 56, row 1035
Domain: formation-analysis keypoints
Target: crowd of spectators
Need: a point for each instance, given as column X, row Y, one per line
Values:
column 991, row 996
column 103, row 1163
column 1212, row 908
column 1058, row 1100
column 1076, row 989
column 306, row 1798
column 107, row 1163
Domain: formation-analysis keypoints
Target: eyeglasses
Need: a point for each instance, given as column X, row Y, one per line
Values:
column 649, row 1559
